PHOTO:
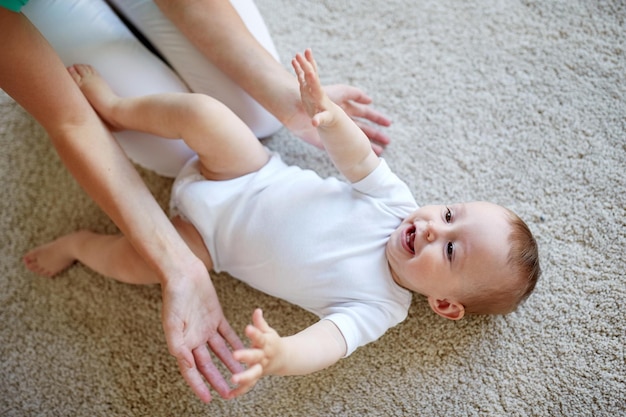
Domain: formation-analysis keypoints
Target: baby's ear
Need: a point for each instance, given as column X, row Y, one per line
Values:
column 448, row 309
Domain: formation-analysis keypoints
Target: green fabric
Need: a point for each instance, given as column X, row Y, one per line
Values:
column 14, row 5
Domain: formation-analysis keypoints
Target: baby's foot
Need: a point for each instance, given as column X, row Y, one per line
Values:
column 52, row 258
column 96, row 90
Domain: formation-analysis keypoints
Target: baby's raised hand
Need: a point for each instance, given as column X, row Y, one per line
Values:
column 314, row 99
column 262, row 358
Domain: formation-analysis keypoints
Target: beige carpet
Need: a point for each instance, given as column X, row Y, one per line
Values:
column 518, row 102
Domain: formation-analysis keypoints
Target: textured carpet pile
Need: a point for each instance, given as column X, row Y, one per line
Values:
column 518, row 102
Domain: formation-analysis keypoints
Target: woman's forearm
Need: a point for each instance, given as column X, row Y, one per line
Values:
column 39, row 82
column 98, row 163
column 217, row 30
column 103, row 171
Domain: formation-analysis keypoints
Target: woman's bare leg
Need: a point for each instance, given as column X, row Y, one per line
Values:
column 89, row 31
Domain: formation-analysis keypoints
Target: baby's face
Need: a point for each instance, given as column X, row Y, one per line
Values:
column 438, row 251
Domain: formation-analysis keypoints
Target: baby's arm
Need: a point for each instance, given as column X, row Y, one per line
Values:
column 345, row 142
column 315, row 348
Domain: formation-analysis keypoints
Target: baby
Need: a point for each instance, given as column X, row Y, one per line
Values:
column 351, row 252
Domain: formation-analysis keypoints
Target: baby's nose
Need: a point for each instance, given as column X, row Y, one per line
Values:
column 430, row 232
column 427, row 231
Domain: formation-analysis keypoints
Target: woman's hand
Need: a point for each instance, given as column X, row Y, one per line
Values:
column 357, row 105
column 193, row 318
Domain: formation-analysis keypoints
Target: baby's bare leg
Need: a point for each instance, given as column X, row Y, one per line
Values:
column 226, row 146
column 109, row 255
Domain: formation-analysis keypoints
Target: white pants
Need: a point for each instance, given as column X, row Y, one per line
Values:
column 88, row 31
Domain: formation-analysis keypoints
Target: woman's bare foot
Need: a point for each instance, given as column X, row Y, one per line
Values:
column 96, row 90
column 52, row 258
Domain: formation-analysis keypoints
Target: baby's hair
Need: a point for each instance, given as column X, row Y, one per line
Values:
column 523, row 260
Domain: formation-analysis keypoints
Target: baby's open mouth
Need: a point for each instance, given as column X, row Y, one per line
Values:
column 410, row 239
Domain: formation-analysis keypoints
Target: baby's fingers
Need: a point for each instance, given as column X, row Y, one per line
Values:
column 307, row 66
column 249, row 356
column 298, row 69
column 259, row 321
column 256, row 336
column 308, row 54
column 250, row 375
column 322, row 119
column 246, row 380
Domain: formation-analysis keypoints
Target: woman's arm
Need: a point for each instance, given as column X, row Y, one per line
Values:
column 32, row 73
column 216, row 29
column 314, row 348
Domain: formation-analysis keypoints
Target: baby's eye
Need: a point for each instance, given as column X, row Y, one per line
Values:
column 449, row 250
column 448, row 215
